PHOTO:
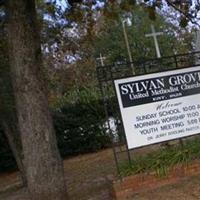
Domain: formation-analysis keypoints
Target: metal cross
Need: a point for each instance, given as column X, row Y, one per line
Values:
column 101, row 58
column 197, row 47
column 154, row 34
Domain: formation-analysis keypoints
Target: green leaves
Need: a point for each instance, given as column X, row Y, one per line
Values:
column 151, row 12
column 183, row 21
column 110, row 40
column 127, row 5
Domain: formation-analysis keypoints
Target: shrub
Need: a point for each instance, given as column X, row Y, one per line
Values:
column 79, row 128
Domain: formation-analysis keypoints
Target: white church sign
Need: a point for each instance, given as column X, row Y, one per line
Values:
column 160, row 107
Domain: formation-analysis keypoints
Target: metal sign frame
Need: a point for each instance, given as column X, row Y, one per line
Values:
column 106, row 76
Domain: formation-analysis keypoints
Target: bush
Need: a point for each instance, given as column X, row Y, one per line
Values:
column 80, row 128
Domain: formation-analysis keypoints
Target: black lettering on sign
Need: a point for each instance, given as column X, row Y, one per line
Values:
column 158, row 89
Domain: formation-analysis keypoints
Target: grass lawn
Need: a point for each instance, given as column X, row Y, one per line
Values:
column 162, row 159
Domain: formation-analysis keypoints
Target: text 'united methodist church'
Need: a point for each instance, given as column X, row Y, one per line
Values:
column 160, row 88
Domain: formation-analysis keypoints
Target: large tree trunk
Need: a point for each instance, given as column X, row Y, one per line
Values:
column 44, row 168
column 8, row 119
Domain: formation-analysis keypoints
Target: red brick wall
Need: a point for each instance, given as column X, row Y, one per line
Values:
column 136, row 183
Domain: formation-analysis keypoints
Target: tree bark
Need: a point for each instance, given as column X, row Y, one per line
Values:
column 16, row 149
column 44, row 168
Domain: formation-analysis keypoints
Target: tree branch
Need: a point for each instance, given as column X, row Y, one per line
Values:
column 187, row 15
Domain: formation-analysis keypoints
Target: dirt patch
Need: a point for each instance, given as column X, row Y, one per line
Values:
column 89, row 177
